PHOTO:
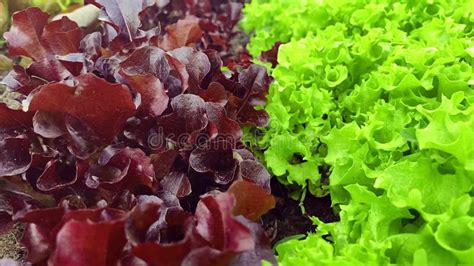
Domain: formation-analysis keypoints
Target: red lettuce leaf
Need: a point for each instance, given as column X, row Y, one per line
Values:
column 254, row 171
column 207, row 256
column 197, row 65
column 136, row 134
column 262, row 249
column 25, row 35
column 90, row 97
column 177, row 183
column 216, row 158
column 187, row 120
column 215, row 93
column 217, row 226
column 15, row 157
column 141, row 218
column 19, row 81
column 226, row 127
column 154, row 99
column 271, row 55
column 255, row 80
column 36, row 240
column 62, row 37
column 147, row 60
column 88, row 243
column 49, row 124
column 182, row 33
column 57, row 175
column 163, row 162
column 121, row 167
column 13, row 119
column 123, row 16
column 252, row 201
column 32, row 36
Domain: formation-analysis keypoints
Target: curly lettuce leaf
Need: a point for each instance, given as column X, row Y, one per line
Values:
column 378, row 96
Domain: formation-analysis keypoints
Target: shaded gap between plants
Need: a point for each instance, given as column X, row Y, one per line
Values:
column 286, row 219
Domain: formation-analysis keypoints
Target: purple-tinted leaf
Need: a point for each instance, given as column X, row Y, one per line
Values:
column 152, row 92
column 57, row 175
column 19, row 81
column 217, row 158
column 271, row 55
column 84, row 140
column 15, row 156
column 123, row 16
column 122, row 167
column 88, row 243
column 182, row 33
column 188, row 117
column 169, row 199
column 105, row 175
column 73, row 62
column 49, row 125
column 124, row 200
column 50, row 69
column 91, row 45
column 62, row 37
column 177, row 183
column 226, row 127
column 248, row 115
column 217, row 225
column 37, row 242
column 102, row 106
column 196, row 62
column 207, row 256
column 262, row 249
column 256, row 172
column 255, row 79
column 13, row 119
column 215, row 93
column 139, row 220
column 31, row 36
column 147, row 60
column 245, row 154
column 178, row 81
column 232, row 12
column 24, row 37
column 163, row 162
column 107, row 67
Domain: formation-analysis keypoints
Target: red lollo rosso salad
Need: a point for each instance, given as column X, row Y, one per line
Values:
column 127, row 150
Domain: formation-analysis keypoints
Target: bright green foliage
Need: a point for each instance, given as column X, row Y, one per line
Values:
column 54, row 4
column 381, row 93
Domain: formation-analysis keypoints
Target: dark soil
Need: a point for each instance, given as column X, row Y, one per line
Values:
column 286, row 218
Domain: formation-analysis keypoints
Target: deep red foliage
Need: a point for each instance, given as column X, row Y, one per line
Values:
column 130, row 136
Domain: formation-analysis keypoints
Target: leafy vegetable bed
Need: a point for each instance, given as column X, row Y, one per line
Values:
column 124, row 141
column 373, row 104
column 127, row 148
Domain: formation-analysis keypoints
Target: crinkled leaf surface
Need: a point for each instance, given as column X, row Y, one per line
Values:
column 108, row 165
